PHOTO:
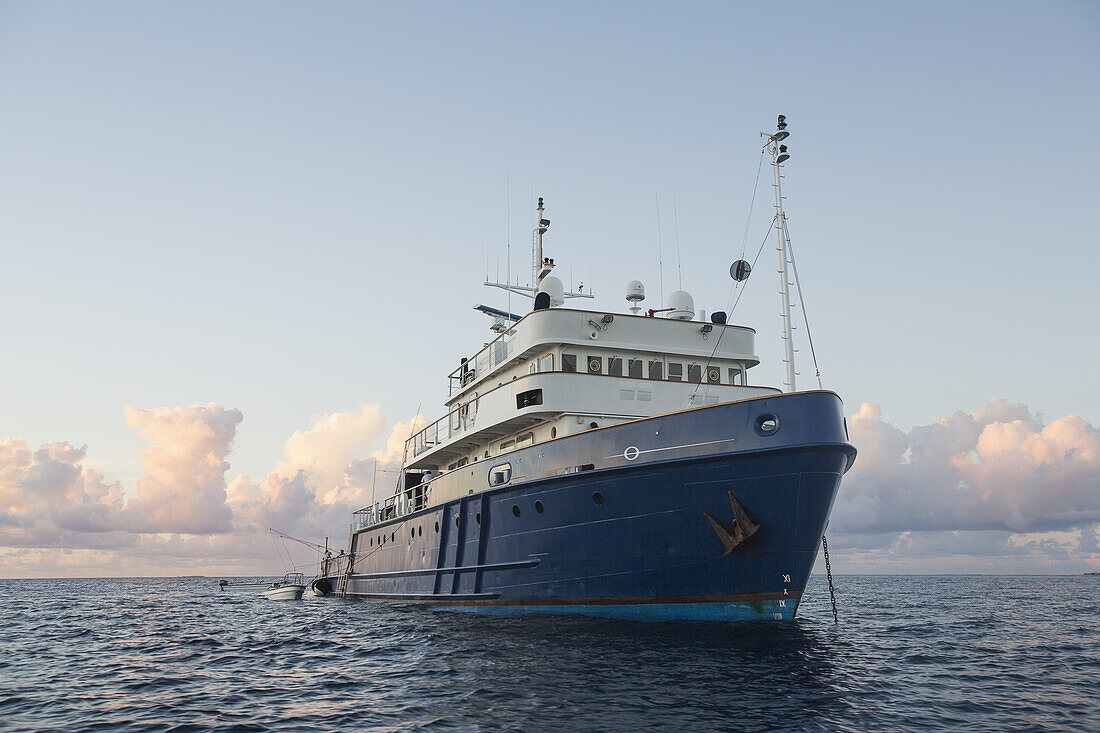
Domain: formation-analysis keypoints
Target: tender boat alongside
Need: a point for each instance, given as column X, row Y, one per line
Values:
column 289, row 588
column 609, row 464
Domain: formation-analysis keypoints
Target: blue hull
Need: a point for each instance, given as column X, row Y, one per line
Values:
column 628, row 536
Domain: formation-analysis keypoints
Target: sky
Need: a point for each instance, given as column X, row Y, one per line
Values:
column 240, row 242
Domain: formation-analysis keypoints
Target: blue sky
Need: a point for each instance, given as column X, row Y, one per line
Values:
column 286, row 209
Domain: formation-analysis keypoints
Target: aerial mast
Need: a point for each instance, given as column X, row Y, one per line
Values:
column 540, row 265
column 780, row 155
column 538, row 272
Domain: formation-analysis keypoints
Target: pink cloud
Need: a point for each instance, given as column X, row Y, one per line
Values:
column 183, row 485
column 992, row 490
column 1000, row 469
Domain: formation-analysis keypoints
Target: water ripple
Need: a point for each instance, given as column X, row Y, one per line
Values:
column 914, row 653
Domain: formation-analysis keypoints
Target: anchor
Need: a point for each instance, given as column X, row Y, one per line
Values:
column 743, row 527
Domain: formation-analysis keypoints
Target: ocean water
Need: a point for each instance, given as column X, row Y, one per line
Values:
column 910, row 653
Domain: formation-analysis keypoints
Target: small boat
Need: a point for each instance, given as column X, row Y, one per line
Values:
column 289, row 588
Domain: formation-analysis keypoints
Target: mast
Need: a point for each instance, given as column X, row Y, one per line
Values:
column 537, row 273
column 779, row 155
column 540, row 266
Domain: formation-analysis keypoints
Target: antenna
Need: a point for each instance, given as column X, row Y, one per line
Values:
column 780, row 155
column 540, row 266
column 676, row 227
column 660, row 260
column 508, row 218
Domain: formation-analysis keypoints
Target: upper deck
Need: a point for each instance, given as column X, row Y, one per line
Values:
column 556, row 362
column 605, row 331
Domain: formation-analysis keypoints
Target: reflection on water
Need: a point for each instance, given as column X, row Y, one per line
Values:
column 910, row 652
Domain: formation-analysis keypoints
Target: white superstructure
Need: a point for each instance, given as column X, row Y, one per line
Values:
column 557, row 371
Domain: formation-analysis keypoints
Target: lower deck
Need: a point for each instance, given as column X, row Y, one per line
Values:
column 634, row 539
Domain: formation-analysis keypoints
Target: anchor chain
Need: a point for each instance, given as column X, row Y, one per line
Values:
column 829, row 574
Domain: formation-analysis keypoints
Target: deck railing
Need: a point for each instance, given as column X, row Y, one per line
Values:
column 407, row 502
column 496, row 352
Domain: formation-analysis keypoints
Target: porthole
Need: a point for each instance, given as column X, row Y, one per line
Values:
column 553, row 432
column 457, row 520
column 766, row 424
column 539, row 507
column 420, row 531
column 515, row 510
column 371, row 544
column 477, row 517
column 393, row 535
column 437, row 527
column 598, row 498
column 412, row 532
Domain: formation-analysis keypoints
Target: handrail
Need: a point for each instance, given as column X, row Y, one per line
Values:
column 409, row 500
column 478, row 364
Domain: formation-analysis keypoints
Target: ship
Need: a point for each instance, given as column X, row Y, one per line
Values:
column 612, row 464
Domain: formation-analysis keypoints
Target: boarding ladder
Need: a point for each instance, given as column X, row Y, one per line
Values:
column 343, row 590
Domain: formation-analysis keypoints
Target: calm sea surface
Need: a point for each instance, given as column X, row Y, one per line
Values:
column 910, row 653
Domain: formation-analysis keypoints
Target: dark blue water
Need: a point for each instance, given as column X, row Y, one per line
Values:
column 910, row 653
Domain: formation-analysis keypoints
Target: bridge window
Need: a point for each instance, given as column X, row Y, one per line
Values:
column 500, row 475
column 546, row 363
column 595, row 365
column 634, row 368
column 529, row 398
column 569, row 362
column 615, row 366
column 656, row 370
column 675, row 372
column 695, row 373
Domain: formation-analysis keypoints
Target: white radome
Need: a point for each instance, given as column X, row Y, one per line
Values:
column 682, row 305
column 556, row 290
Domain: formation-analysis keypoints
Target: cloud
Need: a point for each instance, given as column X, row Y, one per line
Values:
column 183, row 485
column 994, row 490
column 47, row 496
column 329, row 446
column 324, row 476
column 999, row 468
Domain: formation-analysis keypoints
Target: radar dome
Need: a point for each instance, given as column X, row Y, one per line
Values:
column 553, row 287
column 635, row 291
column 682, row 305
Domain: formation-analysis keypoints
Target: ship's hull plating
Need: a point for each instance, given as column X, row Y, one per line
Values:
column 630, row 538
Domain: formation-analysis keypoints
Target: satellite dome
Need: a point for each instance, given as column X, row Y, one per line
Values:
column 553, row 287
column 682, row 305
column 635, row 291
